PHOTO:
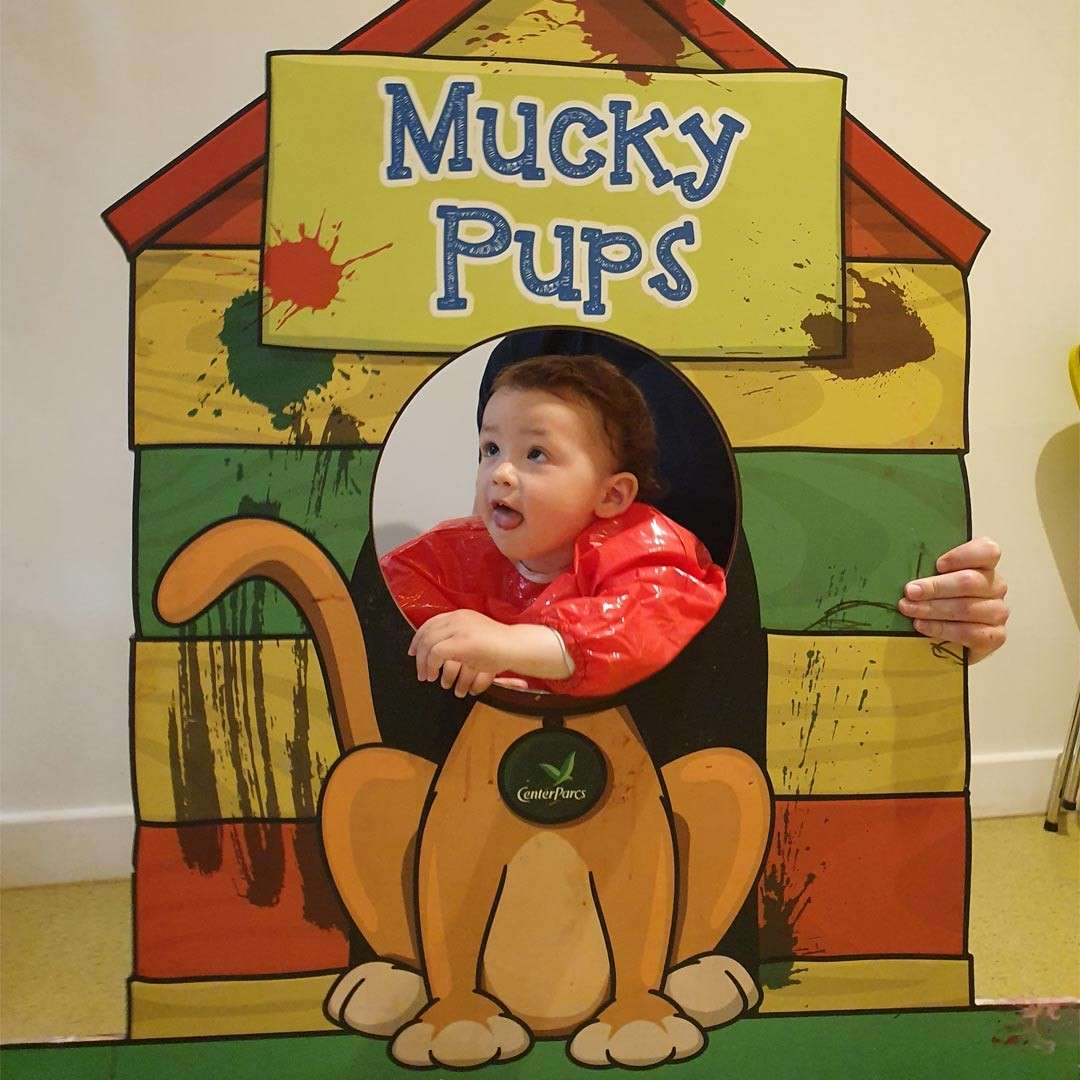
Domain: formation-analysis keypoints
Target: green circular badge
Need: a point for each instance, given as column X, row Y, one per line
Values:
column 552, row 775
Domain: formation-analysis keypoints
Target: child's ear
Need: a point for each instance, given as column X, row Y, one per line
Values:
column 619, row 492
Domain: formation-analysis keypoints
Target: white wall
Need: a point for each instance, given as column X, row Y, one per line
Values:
column 978, row 95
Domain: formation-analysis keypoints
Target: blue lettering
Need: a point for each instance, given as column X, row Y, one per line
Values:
column 455, row 248
column 599, row 264
column 716, row 154
column 636, row 137
column 404, row 119
column 592, row 125
column 683, row 284
column 523, row 163
column 561, row 284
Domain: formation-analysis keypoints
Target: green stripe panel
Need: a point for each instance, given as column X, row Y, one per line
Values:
column 182, row 491
column 835, row 536
column 1036, row 1043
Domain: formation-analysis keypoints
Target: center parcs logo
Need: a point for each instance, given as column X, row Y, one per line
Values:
column 552, row 776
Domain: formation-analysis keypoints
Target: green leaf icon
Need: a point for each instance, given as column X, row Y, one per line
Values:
column 550, row 770
column 564, row 772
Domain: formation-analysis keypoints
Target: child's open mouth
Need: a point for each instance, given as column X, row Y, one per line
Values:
column 505, row 517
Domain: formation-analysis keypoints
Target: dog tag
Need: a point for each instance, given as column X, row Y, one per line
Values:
column 552, row 775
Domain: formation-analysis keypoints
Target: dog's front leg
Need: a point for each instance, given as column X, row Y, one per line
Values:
column 629, row 849
column 467, row 835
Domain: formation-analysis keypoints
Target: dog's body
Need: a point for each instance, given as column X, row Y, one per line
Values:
column 494, row 929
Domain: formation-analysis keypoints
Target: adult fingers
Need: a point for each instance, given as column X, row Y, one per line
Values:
column 980, row 553
column 962, row 609
column 982, row 584
column 980, row 639
column 450, row 672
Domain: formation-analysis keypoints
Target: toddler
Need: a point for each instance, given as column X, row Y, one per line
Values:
column 565, row 579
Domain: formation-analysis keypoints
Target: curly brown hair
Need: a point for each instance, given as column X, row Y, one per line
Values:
column 615, row 399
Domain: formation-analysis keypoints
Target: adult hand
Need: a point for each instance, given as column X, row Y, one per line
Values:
column 964, row 602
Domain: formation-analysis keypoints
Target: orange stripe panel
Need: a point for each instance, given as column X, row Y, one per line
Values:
column 865, row 877
column 235, row 899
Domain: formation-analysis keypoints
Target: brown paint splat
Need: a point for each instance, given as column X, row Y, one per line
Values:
column 884, row 331
column 783, row 897
column 629, row 34
column 191, row 763
column 302, row 273
column 341, row 429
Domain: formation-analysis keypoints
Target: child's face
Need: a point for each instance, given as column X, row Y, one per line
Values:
column 546, row 471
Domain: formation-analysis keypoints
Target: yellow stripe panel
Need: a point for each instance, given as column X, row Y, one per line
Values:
column 562, row 30
column 846, row 715
column 864, row 715
column 264, row 1006
column 816, row 986
column 191, row 387
column 901, row 387
column 208, row 744
column 229, row 1007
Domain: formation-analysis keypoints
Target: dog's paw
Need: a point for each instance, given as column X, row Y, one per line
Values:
column 636, row 1035
column 376, row 998
column 712, row 989
column 461, row 1033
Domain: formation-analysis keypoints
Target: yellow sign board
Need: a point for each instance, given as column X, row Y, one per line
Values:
column 423, row 205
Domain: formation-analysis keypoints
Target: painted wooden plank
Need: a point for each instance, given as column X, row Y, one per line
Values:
column 230, row 729
column 185, row 1009
column 235, row 899
column 261, row 1006
column 813, row 986
column 864, row 715
column 325, row 493
column 242, row 729
column 835, row 536
column 201, row 375
column 865, row 877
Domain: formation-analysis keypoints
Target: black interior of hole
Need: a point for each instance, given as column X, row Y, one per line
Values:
column 695, row 460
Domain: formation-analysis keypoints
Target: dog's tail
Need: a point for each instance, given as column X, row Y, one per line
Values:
column 245, row 548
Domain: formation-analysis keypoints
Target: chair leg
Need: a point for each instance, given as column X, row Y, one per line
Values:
column 1063, row 788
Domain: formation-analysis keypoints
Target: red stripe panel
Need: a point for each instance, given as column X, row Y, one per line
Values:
column 865, row 877
column 241, row 141
column 243, row 899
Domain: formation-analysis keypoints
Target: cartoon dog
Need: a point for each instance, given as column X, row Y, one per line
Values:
column 492, row 928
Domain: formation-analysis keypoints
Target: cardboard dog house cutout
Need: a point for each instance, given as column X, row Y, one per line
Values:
column 452, row 173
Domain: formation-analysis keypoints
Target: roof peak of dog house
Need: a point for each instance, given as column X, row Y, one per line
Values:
column 217, row 183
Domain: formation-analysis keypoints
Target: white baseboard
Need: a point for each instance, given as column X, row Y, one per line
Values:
column 1008, row 785
column 94, row 843
column 46, row 847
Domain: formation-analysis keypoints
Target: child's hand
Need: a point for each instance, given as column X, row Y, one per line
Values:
column 473, row 642
column 964, row 602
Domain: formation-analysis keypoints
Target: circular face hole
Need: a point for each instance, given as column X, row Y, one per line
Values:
column 427, row 475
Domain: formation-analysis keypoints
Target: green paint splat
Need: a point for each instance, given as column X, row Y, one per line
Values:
column 277, row 378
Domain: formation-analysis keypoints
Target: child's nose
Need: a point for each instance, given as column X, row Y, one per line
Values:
column 504, row 473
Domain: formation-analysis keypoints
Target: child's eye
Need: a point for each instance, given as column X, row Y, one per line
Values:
column 489, row 449
column 536, row 454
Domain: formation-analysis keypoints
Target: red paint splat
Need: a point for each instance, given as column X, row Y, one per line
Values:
column 302, row 273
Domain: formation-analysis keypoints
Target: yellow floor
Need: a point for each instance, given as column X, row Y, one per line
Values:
column 66, row 950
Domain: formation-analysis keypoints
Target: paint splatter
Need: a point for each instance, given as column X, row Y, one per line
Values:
column 341, row 429
column 191, row 763
column 302, row 274
column 277, row 378
column 629, row 34
column 884, row 331
column 1041, row 1026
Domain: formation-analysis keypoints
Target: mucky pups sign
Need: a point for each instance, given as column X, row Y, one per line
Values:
column 464, row 198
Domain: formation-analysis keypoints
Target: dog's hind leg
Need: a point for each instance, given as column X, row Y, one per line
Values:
column 723, row 816
column 370, row 813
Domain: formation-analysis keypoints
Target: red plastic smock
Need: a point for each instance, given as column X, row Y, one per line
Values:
column 640, row 587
